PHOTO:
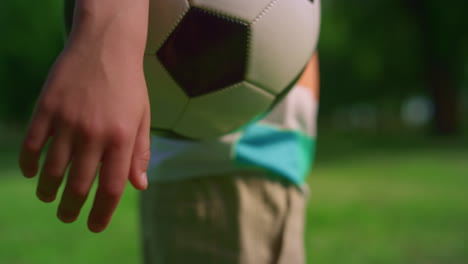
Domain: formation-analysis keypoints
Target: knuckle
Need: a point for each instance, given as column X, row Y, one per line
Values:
column 144, row 158
column 53, row 173
column 120, row 135
column 78, row 192
column 47, row 105
column 146, row 155
column 67, row 118
column 89, row 131
column 32, row 145
column 111, row 193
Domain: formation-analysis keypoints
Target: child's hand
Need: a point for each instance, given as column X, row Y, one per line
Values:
column 94, row 109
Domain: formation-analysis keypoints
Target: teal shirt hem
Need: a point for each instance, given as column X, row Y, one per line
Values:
column 288, row 154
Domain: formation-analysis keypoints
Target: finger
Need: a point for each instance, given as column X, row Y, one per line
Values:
column 112, row 179
column 55, row 165
column 33, row 143
column 85, row 163
column 141, row 155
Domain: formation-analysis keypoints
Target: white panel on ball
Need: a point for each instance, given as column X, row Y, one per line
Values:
column 282, row 41
column 245, row 10
column 162, row 23
column 166, row 98
column 229, row 107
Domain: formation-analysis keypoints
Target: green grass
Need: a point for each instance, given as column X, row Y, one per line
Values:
column 373, row 201
column 402, row 201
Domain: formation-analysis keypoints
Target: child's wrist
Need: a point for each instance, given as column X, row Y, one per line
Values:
column 111, row 25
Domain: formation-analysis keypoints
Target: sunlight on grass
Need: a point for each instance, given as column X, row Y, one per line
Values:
column 405, row 206
column 408, row 207
column 32, row 234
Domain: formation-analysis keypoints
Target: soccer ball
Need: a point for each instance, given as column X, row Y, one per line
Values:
column 212, row 66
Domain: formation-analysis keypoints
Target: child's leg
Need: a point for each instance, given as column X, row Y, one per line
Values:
column 236, row 218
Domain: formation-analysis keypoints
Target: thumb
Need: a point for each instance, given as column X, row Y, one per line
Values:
column 141, row 154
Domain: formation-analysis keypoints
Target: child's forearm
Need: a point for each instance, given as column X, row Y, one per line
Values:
column 311, row 76
column 113, row 26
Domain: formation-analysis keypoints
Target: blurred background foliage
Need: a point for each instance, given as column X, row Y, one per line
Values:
column 32, row 37
column 381, row 56
column 392, row 162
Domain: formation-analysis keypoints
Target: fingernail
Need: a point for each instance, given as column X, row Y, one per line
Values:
column 144, row 177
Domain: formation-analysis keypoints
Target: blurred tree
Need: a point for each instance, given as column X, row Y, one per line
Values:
column 443, row 42
column 368, row 52
column 378, row 52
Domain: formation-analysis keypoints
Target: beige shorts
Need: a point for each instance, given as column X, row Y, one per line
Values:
column 241, row 217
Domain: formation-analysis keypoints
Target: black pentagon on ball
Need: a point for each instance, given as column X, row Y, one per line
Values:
column 206, row 52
